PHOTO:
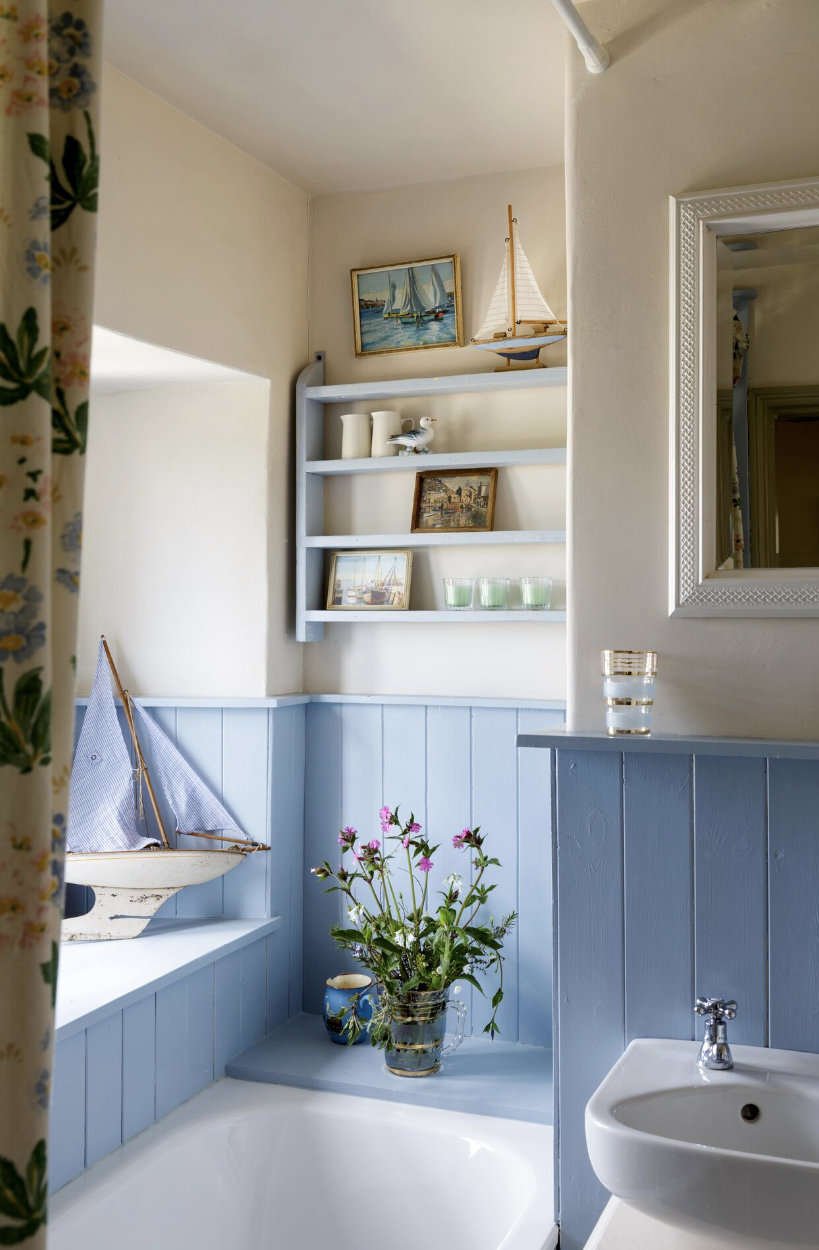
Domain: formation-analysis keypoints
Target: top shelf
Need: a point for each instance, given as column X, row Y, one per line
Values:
column 457, row 384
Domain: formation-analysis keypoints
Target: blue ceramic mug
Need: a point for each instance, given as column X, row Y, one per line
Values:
column 348, row 1001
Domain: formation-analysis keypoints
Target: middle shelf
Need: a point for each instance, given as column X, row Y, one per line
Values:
column 433, row 539
column 442, row 460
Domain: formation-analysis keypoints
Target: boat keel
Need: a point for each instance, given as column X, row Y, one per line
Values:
column 117, row 913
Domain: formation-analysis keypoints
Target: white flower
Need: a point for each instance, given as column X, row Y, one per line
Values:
column 456, row 989
column 355, row 913
column 404, row 937
column 440, row 970
column 467, row 970
column 454, row 883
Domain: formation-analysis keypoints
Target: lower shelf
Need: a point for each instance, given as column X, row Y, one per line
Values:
column 442, row 617
column 499, row 1078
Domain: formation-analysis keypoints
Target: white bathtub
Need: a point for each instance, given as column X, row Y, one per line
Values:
column 245, row 1166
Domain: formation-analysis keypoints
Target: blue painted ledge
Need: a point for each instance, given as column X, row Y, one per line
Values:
column 670, row 744
column 504, row 1079
column 98, row 978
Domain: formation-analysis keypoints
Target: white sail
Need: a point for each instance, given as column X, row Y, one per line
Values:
column 414, row 301
column 193, row 805
column 530, row 304
column 437, row 291
column 498, row 318
column 389, row 303
column 102, row 810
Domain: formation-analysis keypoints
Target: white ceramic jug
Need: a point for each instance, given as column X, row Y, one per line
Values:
column 385, row 425
column 355, row 438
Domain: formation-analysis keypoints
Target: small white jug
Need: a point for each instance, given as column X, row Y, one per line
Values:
column 355, row 438
column 385, row 425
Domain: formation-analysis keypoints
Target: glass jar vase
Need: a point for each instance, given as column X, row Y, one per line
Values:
column 418, row 1024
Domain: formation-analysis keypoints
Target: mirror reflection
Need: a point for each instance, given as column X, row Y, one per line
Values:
column 767, row 402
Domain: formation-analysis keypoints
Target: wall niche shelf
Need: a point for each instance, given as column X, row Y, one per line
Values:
column 312, row 469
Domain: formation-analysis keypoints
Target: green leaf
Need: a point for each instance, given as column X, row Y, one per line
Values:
column 9, row 746
column 81, row 420
column 465, row 976
column 497, row 998
column 40, row 734
column 37, row 1174
column 384, row 944
column 74, row 162
column 27, row 333
column 49, row 971
column 16, row 1236
column 8, row 348
column 13, row 1194
column 27, row 694
column 39, row 146
column 347, row 935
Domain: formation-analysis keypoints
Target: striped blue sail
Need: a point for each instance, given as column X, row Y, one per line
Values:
column 192, row 803
column 102, row 810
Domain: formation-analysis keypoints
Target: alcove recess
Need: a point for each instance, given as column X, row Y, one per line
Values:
column 514, row 421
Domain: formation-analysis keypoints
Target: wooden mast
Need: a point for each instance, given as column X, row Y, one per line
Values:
column 129, row 716
column 512, row 267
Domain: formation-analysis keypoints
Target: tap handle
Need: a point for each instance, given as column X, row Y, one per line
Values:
column 717, row 1008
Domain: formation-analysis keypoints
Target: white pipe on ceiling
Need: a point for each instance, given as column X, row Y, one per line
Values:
column 594, row 54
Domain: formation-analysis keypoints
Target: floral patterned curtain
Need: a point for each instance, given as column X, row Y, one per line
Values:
column 49, row 171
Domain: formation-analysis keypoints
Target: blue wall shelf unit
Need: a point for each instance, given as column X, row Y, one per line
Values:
column 311, row 470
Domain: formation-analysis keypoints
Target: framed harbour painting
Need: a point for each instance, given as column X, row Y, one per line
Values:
column 369, row 581
column 409, row 307
column 454, row 500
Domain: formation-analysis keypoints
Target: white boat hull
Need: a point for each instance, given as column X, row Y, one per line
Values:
column 130, row 887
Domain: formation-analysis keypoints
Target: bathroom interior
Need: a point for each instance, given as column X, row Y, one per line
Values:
column 409, row 728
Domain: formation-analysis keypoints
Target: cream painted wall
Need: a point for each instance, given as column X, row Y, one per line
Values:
column 467, row 216
column 204, row 250
column 174, row 558
column 698, row 95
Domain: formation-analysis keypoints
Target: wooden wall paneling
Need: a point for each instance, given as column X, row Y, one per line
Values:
column 659, row 895
column 793, row 806
column 138, row 1066
column 495, row 809
column 322, row 820
column 731, row 897
column 590, row 971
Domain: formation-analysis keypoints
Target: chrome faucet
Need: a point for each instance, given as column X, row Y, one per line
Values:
column 715, row 1053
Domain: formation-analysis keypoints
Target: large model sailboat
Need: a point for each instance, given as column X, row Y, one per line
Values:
column 109, row 847
column 517, row 302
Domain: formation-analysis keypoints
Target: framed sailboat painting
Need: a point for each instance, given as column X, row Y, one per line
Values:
column 408, row 307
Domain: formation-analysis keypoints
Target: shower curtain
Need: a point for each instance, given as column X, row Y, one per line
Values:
column 49, row 171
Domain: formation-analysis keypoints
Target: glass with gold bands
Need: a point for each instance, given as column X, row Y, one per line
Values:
column 628, row 691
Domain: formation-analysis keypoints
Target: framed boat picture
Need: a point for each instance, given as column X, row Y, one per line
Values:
column 408, row 307
column 454, row 501
column 369, row 581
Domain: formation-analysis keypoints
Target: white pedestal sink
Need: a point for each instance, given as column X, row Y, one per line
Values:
column 730, row 1156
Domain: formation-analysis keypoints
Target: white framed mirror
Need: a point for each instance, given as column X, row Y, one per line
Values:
column 744, row 524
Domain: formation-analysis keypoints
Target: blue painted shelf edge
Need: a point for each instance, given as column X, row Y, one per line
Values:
column 503, row 1079
column 455, row 384
column 669, row 744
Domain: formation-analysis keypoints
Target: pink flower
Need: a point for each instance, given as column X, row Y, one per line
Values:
column 459, row 840
column 425, row 864
column 374, row 844
column 385, row 826
column 357, row 853
column 406, row 842
column 385, row 815
column 347, row 835
column 415, row 827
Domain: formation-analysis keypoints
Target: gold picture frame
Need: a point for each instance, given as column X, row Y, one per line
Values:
column 379, row 580
column 454, row 501
column 409, row 306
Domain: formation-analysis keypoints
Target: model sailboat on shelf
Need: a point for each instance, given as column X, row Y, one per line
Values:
column 110, row 849
column 518, row 321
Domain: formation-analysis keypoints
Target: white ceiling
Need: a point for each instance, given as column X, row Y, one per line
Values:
column 337, row 95
column 120, row 363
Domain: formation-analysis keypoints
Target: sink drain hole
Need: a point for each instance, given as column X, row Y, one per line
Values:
column 750, row 1113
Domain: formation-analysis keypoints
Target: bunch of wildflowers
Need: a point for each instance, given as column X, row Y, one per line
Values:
column 395, row 930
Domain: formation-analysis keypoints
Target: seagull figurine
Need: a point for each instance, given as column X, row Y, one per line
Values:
column 417, row 440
